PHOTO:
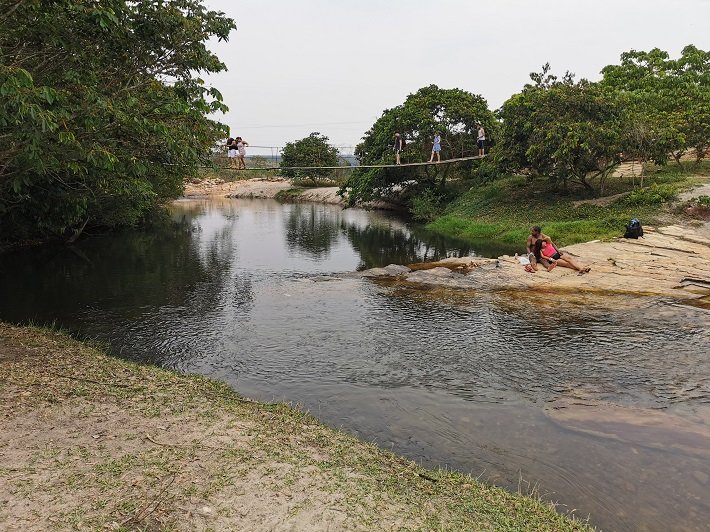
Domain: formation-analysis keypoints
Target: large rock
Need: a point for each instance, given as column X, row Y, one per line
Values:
column 671, row 261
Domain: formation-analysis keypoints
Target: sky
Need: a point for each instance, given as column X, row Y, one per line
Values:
column 296, row 67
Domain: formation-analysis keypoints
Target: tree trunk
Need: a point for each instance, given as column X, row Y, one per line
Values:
column 77, row 232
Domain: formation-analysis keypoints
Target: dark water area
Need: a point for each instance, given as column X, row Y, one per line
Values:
column 600, row 403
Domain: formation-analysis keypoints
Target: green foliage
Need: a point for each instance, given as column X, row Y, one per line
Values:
column 703, row 201
column 505, row 209
column 312, row 150
column 653, row 195
column 101, row 114
column 453, row 113
column 426, row 206
column 566, row 130
column 289, row 194
column 666, row 102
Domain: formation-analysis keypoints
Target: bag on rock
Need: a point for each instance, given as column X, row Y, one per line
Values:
column 633, row 229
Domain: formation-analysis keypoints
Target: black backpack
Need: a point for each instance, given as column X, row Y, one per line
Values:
column 633, row 229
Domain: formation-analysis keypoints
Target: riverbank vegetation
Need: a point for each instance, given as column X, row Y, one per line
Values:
column 102, row 111
column 506, row 208
column 555, row 143
column 92, row 442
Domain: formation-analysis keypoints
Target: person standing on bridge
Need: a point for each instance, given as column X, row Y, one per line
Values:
column 231, row 151
column 399, row 145
column 481, row 141
column 436, row 148
column 241, row 149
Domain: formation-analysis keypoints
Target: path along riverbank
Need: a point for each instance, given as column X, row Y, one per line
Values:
column 91, row 442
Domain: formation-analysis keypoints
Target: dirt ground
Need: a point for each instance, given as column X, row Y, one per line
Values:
column 90, row 442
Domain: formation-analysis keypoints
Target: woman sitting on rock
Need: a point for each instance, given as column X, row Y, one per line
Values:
column 547, row 251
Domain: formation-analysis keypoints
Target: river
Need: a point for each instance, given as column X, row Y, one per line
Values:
column 599, row 403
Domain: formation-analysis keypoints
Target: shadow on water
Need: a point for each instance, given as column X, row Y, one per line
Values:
column 601, row 402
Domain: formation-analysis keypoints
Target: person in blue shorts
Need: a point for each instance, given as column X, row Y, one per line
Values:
column 436, row 148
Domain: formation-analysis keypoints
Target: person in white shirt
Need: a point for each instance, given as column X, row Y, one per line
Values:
column 481, row 141
column 241, row 149
column 231, row 151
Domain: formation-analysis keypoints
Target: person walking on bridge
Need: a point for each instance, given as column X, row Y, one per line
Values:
column 436, row 149
column 398, row 147
column 241, row 149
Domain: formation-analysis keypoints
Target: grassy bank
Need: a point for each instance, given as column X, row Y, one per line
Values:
column 505, row 209
column 92, row 442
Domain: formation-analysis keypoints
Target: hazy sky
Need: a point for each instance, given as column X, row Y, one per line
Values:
column 334, row 66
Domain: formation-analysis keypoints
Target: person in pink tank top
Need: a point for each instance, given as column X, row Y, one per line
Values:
column 548, row 251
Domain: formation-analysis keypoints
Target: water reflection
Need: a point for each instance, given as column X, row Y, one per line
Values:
column 474, row 380
column 312, row 229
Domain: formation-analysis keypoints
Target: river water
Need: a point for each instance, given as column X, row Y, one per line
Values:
column 599, row 403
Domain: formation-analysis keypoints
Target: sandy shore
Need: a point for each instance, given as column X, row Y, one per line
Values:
column 91, row 442
column 262, row 188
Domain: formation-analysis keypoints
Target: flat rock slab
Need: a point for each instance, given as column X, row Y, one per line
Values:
column 672, row 261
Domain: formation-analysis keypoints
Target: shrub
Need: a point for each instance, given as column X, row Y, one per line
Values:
column 426, row 206
column 653, row 195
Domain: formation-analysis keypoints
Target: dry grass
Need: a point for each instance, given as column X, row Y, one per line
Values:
column 91, row 442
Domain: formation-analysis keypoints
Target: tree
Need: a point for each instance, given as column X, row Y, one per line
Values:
column 101, row 112
column 311, row 151
column 453, row 113
column 566, row 130
column 667, row 101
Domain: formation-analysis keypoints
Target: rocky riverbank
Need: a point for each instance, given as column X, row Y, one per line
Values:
column 261, row 188
column 671, row 261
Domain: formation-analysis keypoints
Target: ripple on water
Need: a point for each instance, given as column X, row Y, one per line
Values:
column 446, row 377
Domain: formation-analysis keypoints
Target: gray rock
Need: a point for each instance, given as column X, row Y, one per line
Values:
column 439, row 272
column 396, row 269
column 375, row 272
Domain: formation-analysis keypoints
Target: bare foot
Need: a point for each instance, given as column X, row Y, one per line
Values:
column 551, row 266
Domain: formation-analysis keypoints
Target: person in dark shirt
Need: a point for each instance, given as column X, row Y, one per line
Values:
column 231, row 151
column 398, row 147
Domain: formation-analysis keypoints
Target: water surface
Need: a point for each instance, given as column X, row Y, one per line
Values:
column 601, row 403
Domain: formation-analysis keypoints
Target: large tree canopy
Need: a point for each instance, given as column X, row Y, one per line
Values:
column 312, row 150
column 101, row 109
column 453, row 113
column 567, row 130
column 666, row 101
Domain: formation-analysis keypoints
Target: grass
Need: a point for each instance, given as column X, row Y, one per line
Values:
column 289, row 194
column 506, row 208
column 103, row 462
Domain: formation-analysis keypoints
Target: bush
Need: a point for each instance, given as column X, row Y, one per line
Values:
column 487, row 171
column 426, row 206
column 653, row 195
column 312, row 151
